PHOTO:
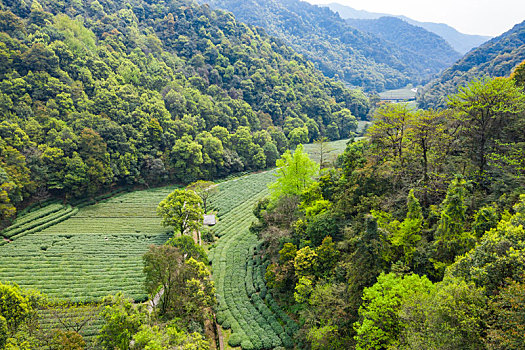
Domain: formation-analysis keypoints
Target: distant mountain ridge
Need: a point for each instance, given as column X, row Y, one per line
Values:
column 496, row 58
column 339, row 50
column 408, row 36
column 461, row 42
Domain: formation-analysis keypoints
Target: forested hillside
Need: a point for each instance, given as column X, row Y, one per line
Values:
column 415, row 39
column 496, row 58
column 357, row 58
column 414, row 239
column 461, row 42
column 100, row 94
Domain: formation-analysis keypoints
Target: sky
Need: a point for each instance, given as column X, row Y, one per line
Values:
column 483, row 17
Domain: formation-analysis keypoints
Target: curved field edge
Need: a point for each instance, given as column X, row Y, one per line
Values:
column 242, row 305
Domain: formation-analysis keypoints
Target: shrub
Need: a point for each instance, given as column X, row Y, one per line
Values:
column 235, row 340
column 246, row 344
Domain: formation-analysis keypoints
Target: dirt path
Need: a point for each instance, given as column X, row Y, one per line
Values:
column 155, row 301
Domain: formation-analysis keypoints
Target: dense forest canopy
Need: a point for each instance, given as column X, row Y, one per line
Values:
column 416, row 229
column 412, row 38
column 340, row 50
column 102, row 93
column 496, row 58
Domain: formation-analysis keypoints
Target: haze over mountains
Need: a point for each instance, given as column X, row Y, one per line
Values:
column 341, row 51
column 461, row 42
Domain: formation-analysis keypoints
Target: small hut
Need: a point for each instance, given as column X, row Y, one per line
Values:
column 209, row 220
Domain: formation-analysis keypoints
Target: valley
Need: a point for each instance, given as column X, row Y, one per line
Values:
column 258, row 175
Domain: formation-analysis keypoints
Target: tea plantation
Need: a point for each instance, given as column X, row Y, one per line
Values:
column 94, row 252
column 90, row 249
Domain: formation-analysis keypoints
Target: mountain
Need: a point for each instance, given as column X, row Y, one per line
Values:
column 339, row 50
column 462, row 43
column 410, row 37
column 496, row 58
column 105, row 94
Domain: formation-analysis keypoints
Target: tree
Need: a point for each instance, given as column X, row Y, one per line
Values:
column 15, row 307
column 487, row 106
column 430, row 142
column 298, row 136
column 507, row 324
column 389, row 130
column 73, row 317
column 188, row 248
column 323, row 149
column 181, row 209
column 68, row 340
column 184, row 283
column 204, row 189
column 294, row 174
column 451, row 237
column 499, row 256
column 404, row 235
column 163, row 267
column 379, row 325
column 451, row 316
column 121, row 321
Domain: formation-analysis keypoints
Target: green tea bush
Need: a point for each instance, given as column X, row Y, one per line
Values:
column 235, row 340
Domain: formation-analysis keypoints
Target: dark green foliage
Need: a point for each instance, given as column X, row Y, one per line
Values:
column 496, row 58
column 340, row 51
column 163, row 92
column 187, row 246
column 321, row 226
column 431, row 50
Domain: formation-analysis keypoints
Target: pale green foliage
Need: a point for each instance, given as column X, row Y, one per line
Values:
column 294, row 174
column 405, row 235
column 121, row 322
column 451, row 316
column 303, row 289
column 305, row 262
column 77, row 37
column 379, row 324
column 169, row 337
column 451, row 237
column 182, row 209
column 15, row 307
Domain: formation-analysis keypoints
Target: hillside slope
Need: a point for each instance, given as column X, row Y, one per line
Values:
column 412, row 38
column 496, row 58
column 461, row 42
column 99, row 95
column 358, row 58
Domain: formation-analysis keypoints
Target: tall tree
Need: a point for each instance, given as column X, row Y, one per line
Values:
column 295, row 172
column 204, row 189
column 487, row 106
column 181, row 209
column 323, row 149
column 452, row 237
